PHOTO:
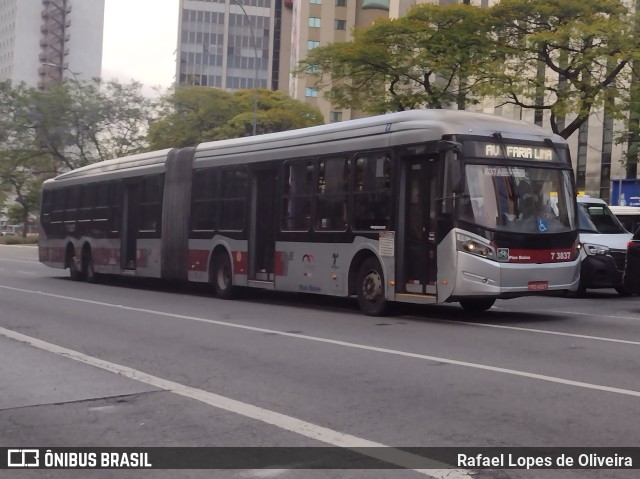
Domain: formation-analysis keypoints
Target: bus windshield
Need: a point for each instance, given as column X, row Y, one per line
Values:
column 520, row 199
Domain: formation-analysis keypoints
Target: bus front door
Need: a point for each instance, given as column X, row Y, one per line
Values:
column 262, row 238
column 418, row 263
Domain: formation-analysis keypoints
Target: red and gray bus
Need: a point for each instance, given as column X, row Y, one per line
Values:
column 424, row 206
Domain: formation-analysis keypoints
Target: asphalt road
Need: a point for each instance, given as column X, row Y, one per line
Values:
column 131, row 363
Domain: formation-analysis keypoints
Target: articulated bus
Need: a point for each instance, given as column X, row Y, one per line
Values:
column 424, row 206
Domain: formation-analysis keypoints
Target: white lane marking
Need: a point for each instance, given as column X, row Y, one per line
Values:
column 27, row 272
column 395, row 352
column 541, row 331
column 575, row 313
column 288, row 423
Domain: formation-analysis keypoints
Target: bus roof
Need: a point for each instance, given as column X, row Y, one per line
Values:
column 427, row 124
column 141, row 160
column 434, row 124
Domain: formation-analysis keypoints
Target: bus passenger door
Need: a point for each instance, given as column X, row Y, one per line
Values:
column 128, row 243
column 262, row 236
column 418, row 254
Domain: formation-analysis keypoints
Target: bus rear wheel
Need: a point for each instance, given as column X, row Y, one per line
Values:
column 88, row 269
column 477, row 305
column 222, row 277
column 371, row 290
column 75, row 269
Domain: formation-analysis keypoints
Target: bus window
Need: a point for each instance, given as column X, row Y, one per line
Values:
column 296, row 200
column 371, row 192
column 151, row 204
column 205, row 192
column 71, row 205
column 233, row 200
column 333, row 181
column 47, row 206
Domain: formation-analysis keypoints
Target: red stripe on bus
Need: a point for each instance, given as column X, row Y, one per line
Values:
column 198, row 259
column 279, row 268
column 106, row 256
column 541, row 255
column 239, row 262
column 51, row 254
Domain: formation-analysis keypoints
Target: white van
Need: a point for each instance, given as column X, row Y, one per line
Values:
column 604, row 246
column 629, row 216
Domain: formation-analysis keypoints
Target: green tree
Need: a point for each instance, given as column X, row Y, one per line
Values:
column 73, row 124
column 416, row 61
column 22, row 161
column 81, row 122
column 564, row 57
column 192, row 114
column 276, row 111
column 584, row 46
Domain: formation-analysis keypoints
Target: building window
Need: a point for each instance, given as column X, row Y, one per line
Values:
column 335, row 116
column 315, row 2
column 309, row 91
column 311, row 44
column 341, row 3
column 311, row 69
column 314, row 22
column 341, row 24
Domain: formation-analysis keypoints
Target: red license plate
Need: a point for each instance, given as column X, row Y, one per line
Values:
column 538, row 285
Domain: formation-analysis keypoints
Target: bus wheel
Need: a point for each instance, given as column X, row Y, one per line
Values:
column 371, row 291
column 75, row 271
column 222, row 278
column 88, row 269
column 477, row 305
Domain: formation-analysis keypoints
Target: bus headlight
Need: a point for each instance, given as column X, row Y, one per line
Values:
column 595, row 249
column 475, row 247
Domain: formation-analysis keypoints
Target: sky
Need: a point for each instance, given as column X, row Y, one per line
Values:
column 140, row 40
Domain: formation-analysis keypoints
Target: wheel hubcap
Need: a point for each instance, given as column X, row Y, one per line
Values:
column 372, row 286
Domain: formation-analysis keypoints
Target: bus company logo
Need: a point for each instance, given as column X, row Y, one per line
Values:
column 308, row 265
column 503, row 254
column 23, row 458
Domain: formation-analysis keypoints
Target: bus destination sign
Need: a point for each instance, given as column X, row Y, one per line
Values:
column 515, row 152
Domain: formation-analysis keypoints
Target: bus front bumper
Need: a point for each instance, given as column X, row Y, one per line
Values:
column 476, row 276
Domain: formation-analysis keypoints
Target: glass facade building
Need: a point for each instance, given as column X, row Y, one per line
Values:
column 229, row 44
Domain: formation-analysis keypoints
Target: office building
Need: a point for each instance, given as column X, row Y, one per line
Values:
column 44, row 41
column 229, row 44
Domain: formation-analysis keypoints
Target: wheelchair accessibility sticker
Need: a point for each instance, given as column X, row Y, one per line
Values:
column 543, row 225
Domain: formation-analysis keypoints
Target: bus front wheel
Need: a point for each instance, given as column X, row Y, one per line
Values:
column 371, row 290
column 222, row 276
column 477, row 305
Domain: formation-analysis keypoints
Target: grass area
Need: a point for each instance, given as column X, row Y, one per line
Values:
column 17, row 239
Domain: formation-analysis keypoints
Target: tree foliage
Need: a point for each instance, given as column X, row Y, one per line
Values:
column 436, row 55
column 73, row 124
column 192, row 114
column 411, row 62
column 585, row 45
